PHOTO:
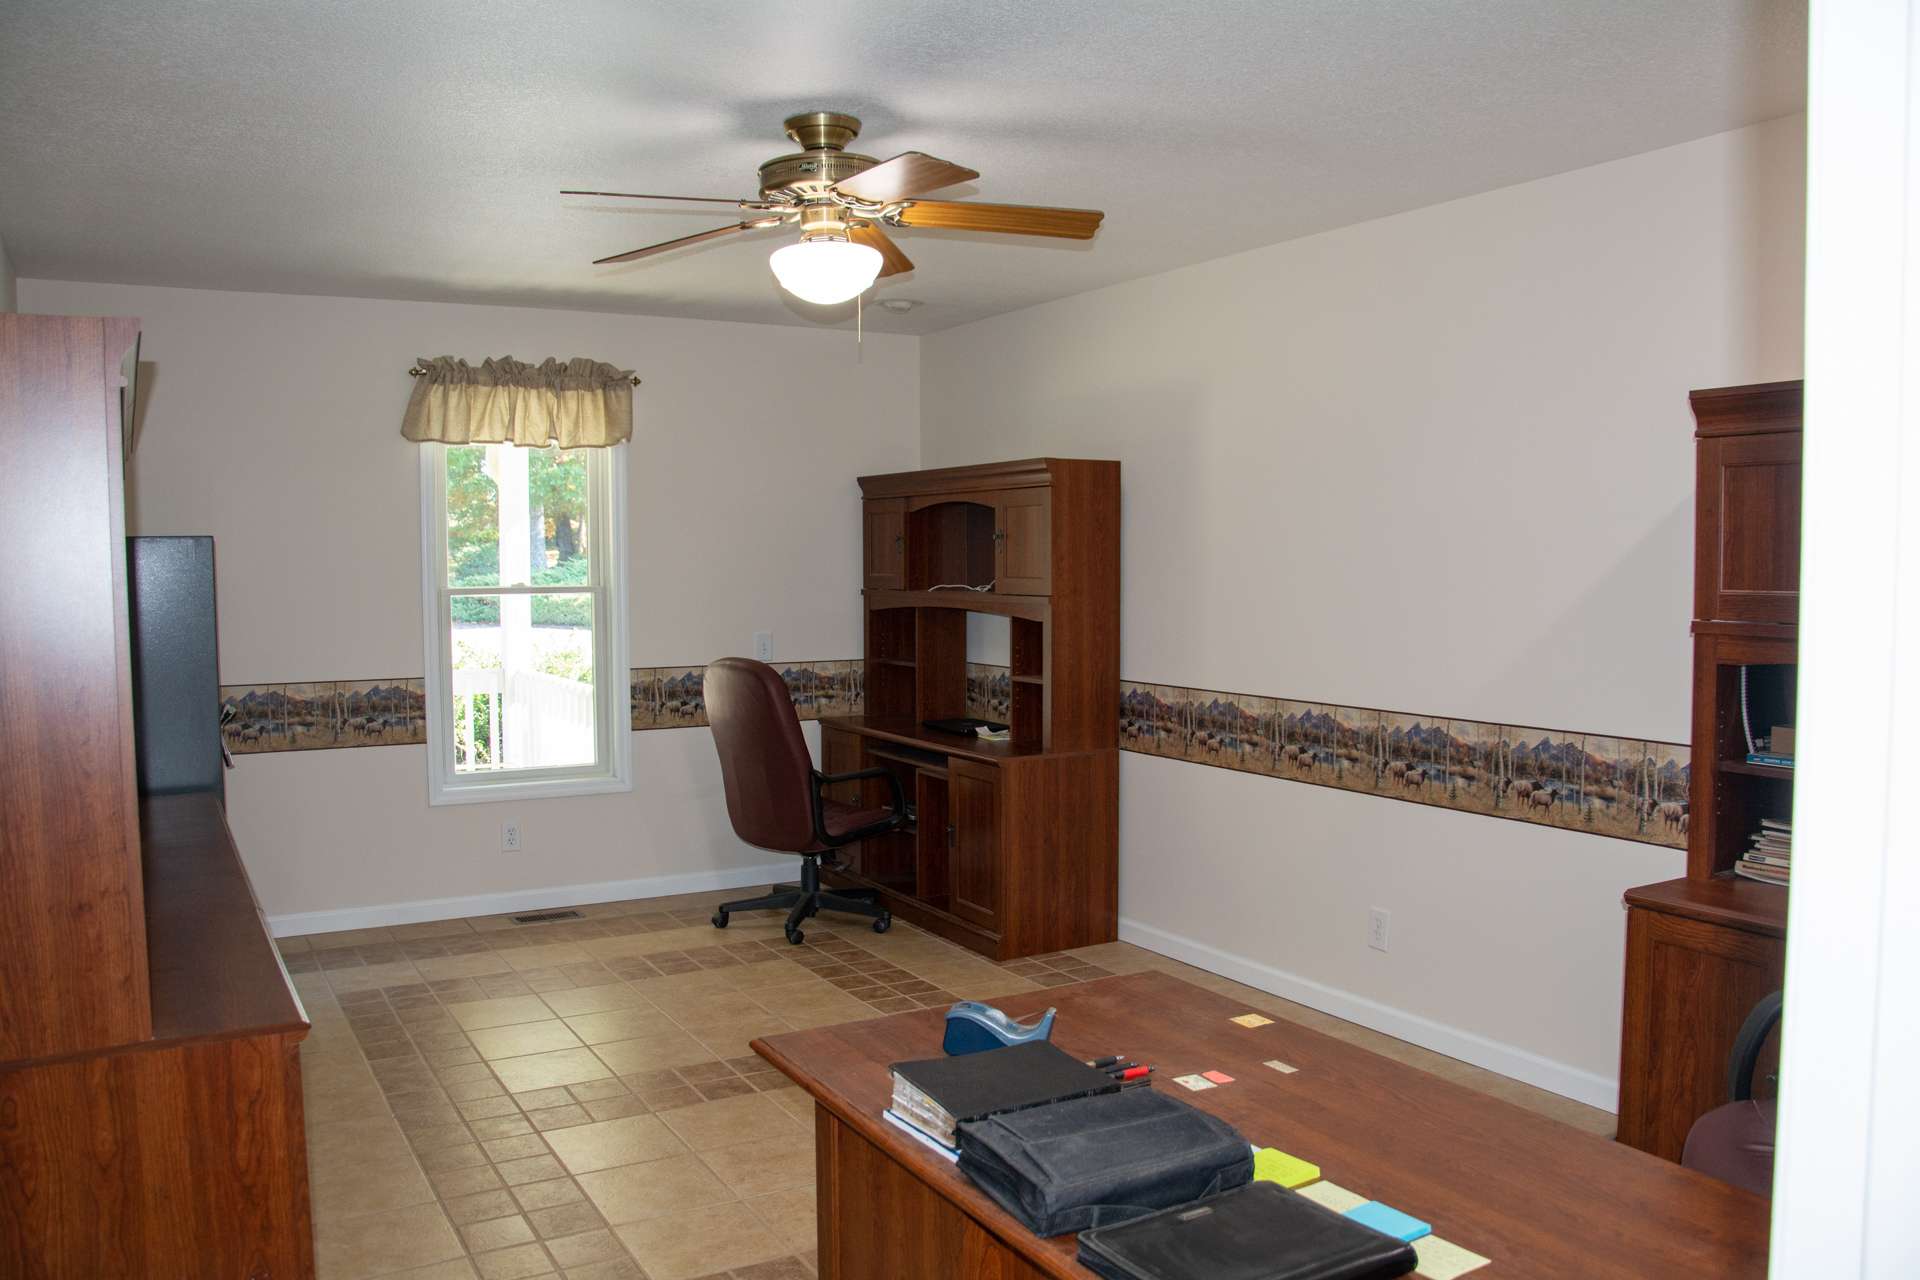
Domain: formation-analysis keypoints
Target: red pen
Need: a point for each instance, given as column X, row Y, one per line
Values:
column 1133, row 1073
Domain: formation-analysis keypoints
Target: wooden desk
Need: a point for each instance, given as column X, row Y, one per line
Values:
column 1014, row 850
column 1537, row 1197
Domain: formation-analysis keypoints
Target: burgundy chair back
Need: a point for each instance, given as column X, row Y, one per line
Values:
column 763, row 757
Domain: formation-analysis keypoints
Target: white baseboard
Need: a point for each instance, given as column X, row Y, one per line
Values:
column 1520, row 1064
column 493, row 904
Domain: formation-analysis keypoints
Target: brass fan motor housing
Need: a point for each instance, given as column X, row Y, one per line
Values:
column 825, row 135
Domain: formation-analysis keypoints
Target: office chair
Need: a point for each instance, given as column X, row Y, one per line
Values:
column 1734, row 1142
column 775, row 797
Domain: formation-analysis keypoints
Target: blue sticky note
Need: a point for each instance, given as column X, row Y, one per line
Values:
column 1390, row 1221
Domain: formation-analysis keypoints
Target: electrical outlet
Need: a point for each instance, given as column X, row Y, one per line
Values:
column 763, row 645
column 1377, row 922
column 510, row 838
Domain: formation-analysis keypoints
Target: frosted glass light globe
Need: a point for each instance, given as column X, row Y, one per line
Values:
column 825, row 271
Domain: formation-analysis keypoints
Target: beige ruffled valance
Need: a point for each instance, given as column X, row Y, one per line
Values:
column 576, row 404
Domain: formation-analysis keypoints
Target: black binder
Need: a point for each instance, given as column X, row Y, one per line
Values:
column 1260, row 1231
column 973, row 1085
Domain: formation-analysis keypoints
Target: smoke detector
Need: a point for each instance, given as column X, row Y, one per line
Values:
column 899, row 306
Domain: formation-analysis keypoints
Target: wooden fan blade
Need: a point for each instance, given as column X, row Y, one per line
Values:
column 695, row 238
column 1019, row 219
column 893, row 262
column 634, row 195
column 907, row 174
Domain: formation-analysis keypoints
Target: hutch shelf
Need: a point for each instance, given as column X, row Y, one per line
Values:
column 1703, row 949
column 1013, row 848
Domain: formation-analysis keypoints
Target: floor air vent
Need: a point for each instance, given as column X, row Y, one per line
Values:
column 546, row 917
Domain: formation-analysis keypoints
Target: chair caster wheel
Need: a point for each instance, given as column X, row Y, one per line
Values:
column 719, row 919
column 795, row 936
column 882, row 923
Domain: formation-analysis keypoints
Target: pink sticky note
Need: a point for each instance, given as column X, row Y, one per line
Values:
column 1218, row 1077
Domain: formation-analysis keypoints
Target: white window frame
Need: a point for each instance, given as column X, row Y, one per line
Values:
column 612, row 769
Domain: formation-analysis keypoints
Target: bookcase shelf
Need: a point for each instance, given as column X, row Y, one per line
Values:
column 992, row 860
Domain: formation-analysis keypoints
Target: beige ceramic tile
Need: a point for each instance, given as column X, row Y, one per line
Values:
column 549, row 1070
column 549, row 956
column 439, row 968
column 767, row 1164
column 351, row 1187
column 476, row 1014
column 610, row 1025
column 654, row 1189
column 697, row 1242
column 522, row 1038
column 375, row 1244
column 792, row 1215
column 609, row 1143
column 579, row 1000
column 706, row 1126
column 365, row 978
column 670, row 1049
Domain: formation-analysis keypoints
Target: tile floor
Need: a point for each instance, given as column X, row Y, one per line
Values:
column 577, row 1099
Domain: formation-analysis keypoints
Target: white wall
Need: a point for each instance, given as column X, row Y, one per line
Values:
column 274, row 425
column 1438, row 463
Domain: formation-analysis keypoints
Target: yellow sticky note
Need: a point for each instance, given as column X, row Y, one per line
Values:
column 1443, row 1259
column 1277, row 1166
column 1252, row 1020
column 1333, row 1196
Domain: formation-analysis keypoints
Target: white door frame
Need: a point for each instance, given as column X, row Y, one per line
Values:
column 1848, row 1171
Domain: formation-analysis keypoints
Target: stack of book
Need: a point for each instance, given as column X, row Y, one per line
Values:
column 933, row 1096
column 1770, row 858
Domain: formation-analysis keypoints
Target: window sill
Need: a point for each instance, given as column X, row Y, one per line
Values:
column 487, row 791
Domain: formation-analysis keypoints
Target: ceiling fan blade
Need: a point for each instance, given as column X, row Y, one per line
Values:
column 683, row 241
column 634, row 195
column 893, row 262
column 907, row 174
column 1019, row 219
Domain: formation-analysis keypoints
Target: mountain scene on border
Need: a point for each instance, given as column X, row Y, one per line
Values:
column 1623, row 787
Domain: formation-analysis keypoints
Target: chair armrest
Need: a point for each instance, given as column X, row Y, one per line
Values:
column 1746, row 1047
column 821, row 781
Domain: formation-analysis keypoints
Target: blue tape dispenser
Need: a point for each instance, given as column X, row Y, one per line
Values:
column 972, row 1027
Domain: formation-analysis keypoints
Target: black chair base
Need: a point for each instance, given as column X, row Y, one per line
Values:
column 805, row 900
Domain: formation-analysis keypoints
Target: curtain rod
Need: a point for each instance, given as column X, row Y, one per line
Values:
column 416, row 372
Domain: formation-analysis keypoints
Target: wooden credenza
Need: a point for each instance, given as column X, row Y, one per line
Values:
column 1014, row 849
column 150, row 1102
column 1702, row 950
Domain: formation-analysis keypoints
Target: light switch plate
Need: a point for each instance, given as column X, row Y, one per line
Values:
column 763, row 645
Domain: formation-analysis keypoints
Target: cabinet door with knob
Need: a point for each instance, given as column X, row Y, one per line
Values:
column 974, row 841
column 1023, row 542
column 886, row 539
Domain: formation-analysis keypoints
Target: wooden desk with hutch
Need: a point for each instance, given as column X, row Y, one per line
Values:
column 1014, row 848
column 1702, row 950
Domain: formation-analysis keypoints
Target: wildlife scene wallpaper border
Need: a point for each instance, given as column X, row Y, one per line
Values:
column 1628, row 788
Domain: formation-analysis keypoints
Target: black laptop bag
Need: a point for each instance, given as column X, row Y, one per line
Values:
column 1100, row 1160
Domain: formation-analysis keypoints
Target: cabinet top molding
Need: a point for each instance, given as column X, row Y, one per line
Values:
column 1749, row 410
column 1024, row 473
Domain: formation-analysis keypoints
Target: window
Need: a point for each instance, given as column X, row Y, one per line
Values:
column 526, row 621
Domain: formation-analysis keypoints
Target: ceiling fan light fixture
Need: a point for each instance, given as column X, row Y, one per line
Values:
column 825, row 271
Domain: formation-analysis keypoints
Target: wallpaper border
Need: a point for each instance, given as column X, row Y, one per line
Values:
column 1596, row 784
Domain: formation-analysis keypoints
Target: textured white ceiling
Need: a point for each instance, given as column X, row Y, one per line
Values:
column 414, row 148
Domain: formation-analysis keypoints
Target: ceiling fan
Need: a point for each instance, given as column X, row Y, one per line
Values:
column 841, row 200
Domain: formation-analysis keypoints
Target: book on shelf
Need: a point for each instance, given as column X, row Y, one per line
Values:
column 935, row 1094
column 1776, row 824
column 1763, row 874
column 1780, row 860
column 1767, row 757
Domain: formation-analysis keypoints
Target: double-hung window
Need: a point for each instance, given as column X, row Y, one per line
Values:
column 525, row 605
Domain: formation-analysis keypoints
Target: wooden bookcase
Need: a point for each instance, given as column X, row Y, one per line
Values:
column 1703, row 949
column 1014, row 846
column 150, row 1095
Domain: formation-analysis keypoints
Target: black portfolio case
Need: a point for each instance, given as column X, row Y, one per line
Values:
column 1078, row 1164
column 1260, row 1231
